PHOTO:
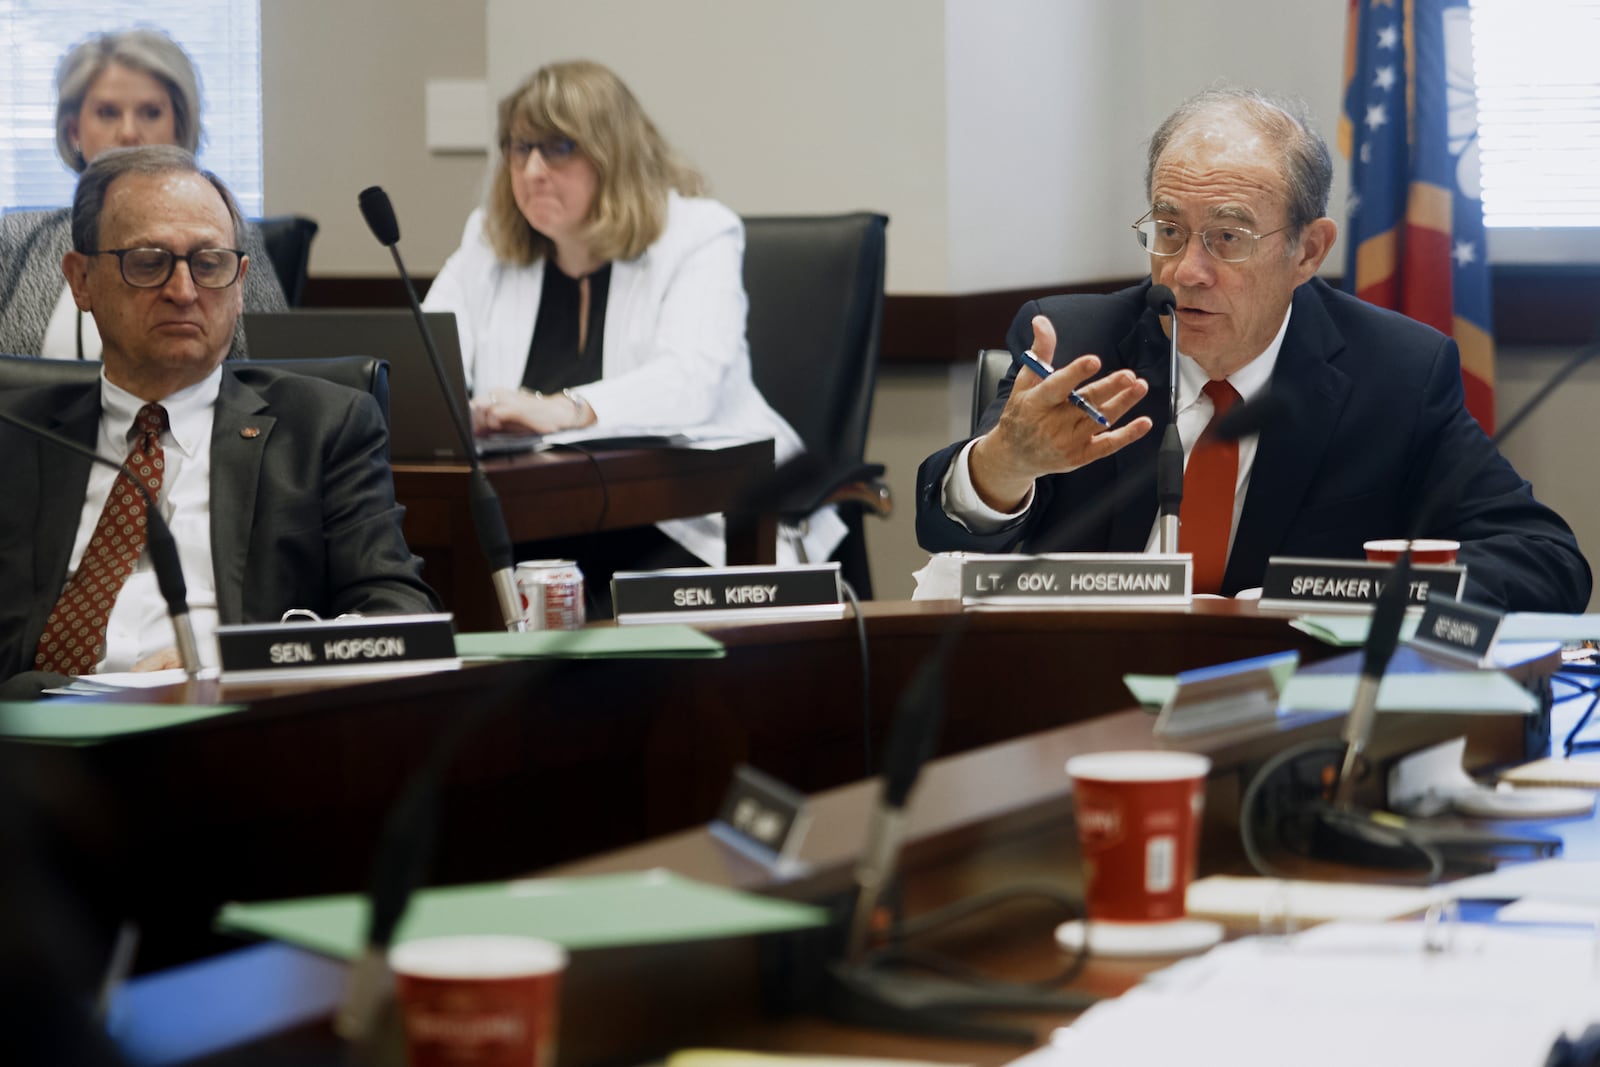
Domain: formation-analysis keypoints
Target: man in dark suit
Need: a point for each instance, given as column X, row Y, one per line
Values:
column 1370, row 437
column 277, row 486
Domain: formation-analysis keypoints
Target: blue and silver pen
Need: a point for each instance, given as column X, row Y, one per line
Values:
column 1033, row 363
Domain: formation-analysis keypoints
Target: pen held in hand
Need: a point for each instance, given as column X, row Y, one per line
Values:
column 1033, row 363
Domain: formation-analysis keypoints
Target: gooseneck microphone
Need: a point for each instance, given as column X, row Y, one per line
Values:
column 916, row 732
column 1389, row 613
column 158, row 541
column 1169, row 460
column 487, row 517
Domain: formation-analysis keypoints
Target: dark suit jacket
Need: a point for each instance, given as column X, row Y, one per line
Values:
column 302, row 511
column 1369, row 430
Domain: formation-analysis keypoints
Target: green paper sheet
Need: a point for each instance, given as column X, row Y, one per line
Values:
column 1347, row 631
column 668, row 641
column 86, row 723
column 649, row 907
column 1150, row 690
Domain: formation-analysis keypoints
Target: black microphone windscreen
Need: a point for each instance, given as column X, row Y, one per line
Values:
column 379, row 213
column 1264, row 409
column 1158, row 299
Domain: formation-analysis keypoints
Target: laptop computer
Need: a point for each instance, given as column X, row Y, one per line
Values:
column 420, row 426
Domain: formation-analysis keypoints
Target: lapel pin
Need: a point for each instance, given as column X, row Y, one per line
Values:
column 249, row 432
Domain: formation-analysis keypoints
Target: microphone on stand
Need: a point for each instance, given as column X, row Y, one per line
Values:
column 1169, row 459
column 1341, row 831
column 487, row 517
column 158, row 541
column 916, row 731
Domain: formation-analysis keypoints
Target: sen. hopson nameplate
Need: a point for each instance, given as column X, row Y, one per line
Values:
column 723, row 594
column 352, row 647
column 1295, row 584
column 1086, row 579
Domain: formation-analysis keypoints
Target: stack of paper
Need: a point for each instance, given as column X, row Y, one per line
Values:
column 1374, row 994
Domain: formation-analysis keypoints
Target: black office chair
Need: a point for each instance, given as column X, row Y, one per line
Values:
column 815, row 284
column 288, row 240
column 365, row 373
column 993, row 366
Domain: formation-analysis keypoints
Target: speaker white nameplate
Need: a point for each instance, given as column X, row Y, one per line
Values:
column 1296, row 584
column 1080, row 579
column 724, row 594
column 366, row 646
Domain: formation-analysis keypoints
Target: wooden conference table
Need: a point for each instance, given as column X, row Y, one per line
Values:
column 992, row 817
column 563, row 493
column 287, row 796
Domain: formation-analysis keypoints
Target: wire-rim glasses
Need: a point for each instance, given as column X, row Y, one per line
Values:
column 1230, row 244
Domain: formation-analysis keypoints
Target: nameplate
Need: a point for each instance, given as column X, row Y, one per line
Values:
column 763, row 819
column 1081, row 579
column 1458, row 630
column 1296, row 584
column 713, row 594
column 1229, row 694
column 369, row 646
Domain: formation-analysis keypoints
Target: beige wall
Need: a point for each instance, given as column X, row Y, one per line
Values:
column 342, row 88
column 1004, row 138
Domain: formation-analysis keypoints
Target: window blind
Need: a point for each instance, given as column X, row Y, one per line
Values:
column 223, row 39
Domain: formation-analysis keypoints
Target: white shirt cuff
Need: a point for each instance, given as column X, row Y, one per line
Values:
column 962, row 503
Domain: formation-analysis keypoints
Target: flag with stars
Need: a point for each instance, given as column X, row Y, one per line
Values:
column 1415, row 239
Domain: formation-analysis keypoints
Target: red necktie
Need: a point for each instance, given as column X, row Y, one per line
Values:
column 1206, row 517
column 74, row 637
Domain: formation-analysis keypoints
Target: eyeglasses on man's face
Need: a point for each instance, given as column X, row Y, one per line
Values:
column 1231, row 244
column 150, row 268
column 556, row 151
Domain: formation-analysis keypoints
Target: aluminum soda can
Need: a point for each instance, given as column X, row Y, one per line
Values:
column 552, row 594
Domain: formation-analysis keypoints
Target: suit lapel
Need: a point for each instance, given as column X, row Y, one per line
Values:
column 239, row 434
column 65, row 479
column 1145, row 350
column 1291, row 448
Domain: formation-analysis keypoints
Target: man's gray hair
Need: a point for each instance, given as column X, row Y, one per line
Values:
column 151, row 159
column 1307, row 167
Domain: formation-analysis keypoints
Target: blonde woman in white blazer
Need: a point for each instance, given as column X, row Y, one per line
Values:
column 642, row 322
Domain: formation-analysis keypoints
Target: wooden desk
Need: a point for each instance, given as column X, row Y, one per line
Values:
column 287, row 797
column 563, row 493
column 993, row 817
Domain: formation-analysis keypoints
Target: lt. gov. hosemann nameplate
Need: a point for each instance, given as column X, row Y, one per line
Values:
column 346, row 647
column 1086, row 579
column 713, row 594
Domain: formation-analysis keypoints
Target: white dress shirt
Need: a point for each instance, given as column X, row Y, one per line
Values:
column 962, row 503
column 139, row 625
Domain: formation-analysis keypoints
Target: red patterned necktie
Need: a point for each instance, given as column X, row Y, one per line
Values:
column 1206, row 516
column 74, row 638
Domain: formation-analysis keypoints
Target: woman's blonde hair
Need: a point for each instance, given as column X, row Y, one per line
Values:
column 586, row 102
column 147, row 51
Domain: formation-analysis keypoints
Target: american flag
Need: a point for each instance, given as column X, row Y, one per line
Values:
column 1415, row 240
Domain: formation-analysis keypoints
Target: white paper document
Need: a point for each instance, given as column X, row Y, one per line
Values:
column 1350, row 993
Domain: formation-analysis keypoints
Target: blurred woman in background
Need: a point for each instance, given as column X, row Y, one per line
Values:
column 598, row 286
column 113, row 90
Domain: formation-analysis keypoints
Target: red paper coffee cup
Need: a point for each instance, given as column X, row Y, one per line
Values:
column 484, row 1001
column 1138, row 817
column 1425, row 550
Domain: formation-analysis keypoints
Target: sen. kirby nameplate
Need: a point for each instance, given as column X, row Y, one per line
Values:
column 720, row 594
column 1349, row 584
column 368, row 646
column 1087, row 579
